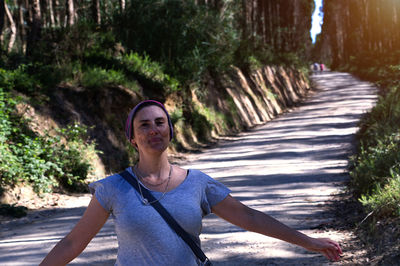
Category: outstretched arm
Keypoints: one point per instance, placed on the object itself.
(247, 218)
(76, 241)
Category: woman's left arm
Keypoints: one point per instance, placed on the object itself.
(250, 219)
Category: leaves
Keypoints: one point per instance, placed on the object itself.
(46, 161)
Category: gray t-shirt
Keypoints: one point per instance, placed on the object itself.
(144, 238)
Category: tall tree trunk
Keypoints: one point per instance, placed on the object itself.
(43, 6)
(21, 25)
(51, 14)
(36, 28)
(252, 20)
(57, 13)
(70, 12)
(260, 20)
(2, 20)
(122, 4)
(96, 11)
(29, 9)
(13, 28)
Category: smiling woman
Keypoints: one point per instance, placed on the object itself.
(144, 237)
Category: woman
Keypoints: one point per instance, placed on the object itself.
(143, 236)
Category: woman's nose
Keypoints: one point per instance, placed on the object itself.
(153, 129)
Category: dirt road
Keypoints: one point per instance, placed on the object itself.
(289, 168)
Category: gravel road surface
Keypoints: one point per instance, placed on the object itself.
(291, 168)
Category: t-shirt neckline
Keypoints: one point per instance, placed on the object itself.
(189, 171)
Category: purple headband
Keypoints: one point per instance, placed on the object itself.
(132, 113)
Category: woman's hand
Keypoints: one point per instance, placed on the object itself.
(247, 218)
(325, 246)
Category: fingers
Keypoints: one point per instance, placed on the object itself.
(334, 251)
(330, 249)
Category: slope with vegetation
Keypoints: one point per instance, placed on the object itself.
(362, 38)
(68, 79)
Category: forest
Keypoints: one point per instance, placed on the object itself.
(171, 50)
(158, 49)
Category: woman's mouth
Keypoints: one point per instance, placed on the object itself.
(155, 140)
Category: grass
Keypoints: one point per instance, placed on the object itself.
(375, 169)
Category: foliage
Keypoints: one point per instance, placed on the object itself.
(154, 48)
(135, 63)
(92, 57)
(201, 126)
(186, 38)
(30, 78)
(375, 165)
(97, 77)
(176, 115)
(376, 168)
(383, 119)
(73, 155)
(385, 200)
(42, 161)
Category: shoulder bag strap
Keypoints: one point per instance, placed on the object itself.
(168, 218)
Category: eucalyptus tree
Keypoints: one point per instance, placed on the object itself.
(359, 27)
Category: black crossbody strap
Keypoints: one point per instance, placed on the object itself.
(168, 218)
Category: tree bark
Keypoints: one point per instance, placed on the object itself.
(57, 13)
(51, 13)
(36, 28)
(13, 28)
(96, 11)
(29, 11)
(122, 4)
(2, 21)
(21, 25)
(70, 12)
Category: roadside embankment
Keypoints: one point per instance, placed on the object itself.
(223, 105)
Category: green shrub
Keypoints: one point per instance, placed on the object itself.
(177, 115)
(95, 77)
(98, 77)
(184, 37)
(385, 201)
(201, 126)
(41, 161)
(73, 157)
(384, 118)
(18, 79)
(375, 174)
(31, 78)
(373, 164)
(142, 65)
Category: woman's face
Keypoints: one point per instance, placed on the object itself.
(150, 129)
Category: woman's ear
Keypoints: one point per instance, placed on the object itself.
(133, 142)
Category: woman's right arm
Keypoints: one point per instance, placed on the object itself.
(76, 241)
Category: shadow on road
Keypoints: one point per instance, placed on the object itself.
(289, 168)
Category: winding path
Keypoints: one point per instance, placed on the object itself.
(289, 168)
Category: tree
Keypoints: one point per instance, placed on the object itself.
(122, 5)
(13, 27)
(2, 18)
(35, 29)
(96, 11)
(70, 12)
(21, 25)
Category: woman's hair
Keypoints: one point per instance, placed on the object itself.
(136, 109)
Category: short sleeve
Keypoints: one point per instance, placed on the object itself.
(215, 192)
(102, 193)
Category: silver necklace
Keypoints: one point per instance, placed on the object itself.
(137, 172)
(144, 200)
